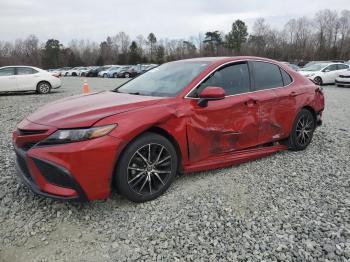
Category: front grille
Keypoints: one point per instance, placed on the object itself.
(23, 165)
(29, 132)
(28, 145)
(344, 76)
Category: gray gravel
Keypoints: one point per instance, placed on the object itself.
(292, 206)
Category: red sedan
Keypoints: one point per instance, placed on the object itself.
(180, 117)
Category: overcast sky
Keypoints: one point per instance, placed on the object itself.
(95, 20)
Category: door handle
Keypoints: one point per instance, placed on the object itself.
(250, 102)
(293, 94)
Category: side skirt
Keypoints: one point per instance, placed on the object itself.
(233, 158)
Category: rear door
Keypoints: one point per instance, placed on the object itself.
(225, 125)
(27, 78)
(8, 81)
(267, 79)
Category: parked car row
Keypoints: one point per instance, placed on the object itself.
(107, 71)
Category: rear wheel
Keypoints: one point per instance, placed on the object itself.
(302, 131)
(146, 168)
(115, 75)
(318, 80)
(43, 88)
(105, 75)
(127, 75)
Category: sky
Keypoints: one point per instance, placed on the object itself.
(95, 20)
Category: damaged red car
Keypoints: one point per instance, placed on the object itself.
(181, 117)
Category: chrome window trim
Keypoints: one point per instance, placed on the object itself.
(233, 62)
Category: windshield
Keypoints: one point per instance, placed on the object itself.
(167, 80)
(315, 67)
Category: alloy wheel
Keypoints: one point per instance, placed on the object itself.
(44, 88)
(149, 169)
(304, 129)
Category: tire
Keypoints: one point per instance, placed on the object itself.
(115, 75)
(105, 75)
(318, 80)
(135, 178)
(302, 131)
(43, 88)
(127, 75)
(74, 74)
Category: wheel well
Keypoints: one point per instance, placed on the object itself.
(162, 132)
(156, 130)
(313, 112)
(43, 81)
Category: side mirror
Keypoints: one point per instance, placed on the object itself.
(210, 93)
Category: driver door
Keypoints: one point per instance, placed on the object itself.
(227, 125)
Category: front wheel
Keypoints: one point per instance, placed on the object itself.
(302, 131)
(318, 80)
(127, 75)
(146, 168)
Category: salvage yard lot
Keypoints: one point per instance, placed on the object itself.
(289, 206)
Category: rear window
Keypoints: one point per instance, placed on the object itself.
(25, 71)
(267, 76)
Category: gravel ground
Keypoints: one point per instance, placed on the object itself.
(292, 206)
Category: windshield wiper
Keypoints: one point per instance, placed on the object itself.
(134, 93)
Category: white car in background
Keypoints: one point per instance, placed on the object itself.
(104, 73)
(27, 78)
(324, 73)
(73, 72)
(343, 79)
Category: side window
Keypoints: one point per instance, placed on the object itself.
(233, 78)
(342, 66)
(331, 67)
(287, 79)
(267, 76)
(25, 71)
(8, 71)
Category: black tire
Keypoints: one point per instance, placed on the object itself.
(135, 174)
(105, 75)
(318, 80)
(127, 75)
(74, 74)
(302, 131)
(43, 87)
(115, 75)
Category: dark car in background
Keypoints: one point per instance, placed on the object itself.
(94, 71)
(135, 70)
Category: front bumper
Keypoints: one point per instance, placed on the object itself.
(73, 193)
(80, 171)
(343, 82)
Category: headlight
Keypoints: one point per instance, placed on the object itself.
(64, 136)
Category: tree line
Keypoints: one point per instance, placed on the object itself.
(325, 36)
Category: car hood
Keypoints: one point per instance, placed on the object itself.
(346, 73)
(85, 110)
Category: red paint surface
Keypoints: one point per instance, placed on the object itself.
(226, 132)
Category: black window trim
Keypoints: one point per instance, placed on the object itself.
(251, 75)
